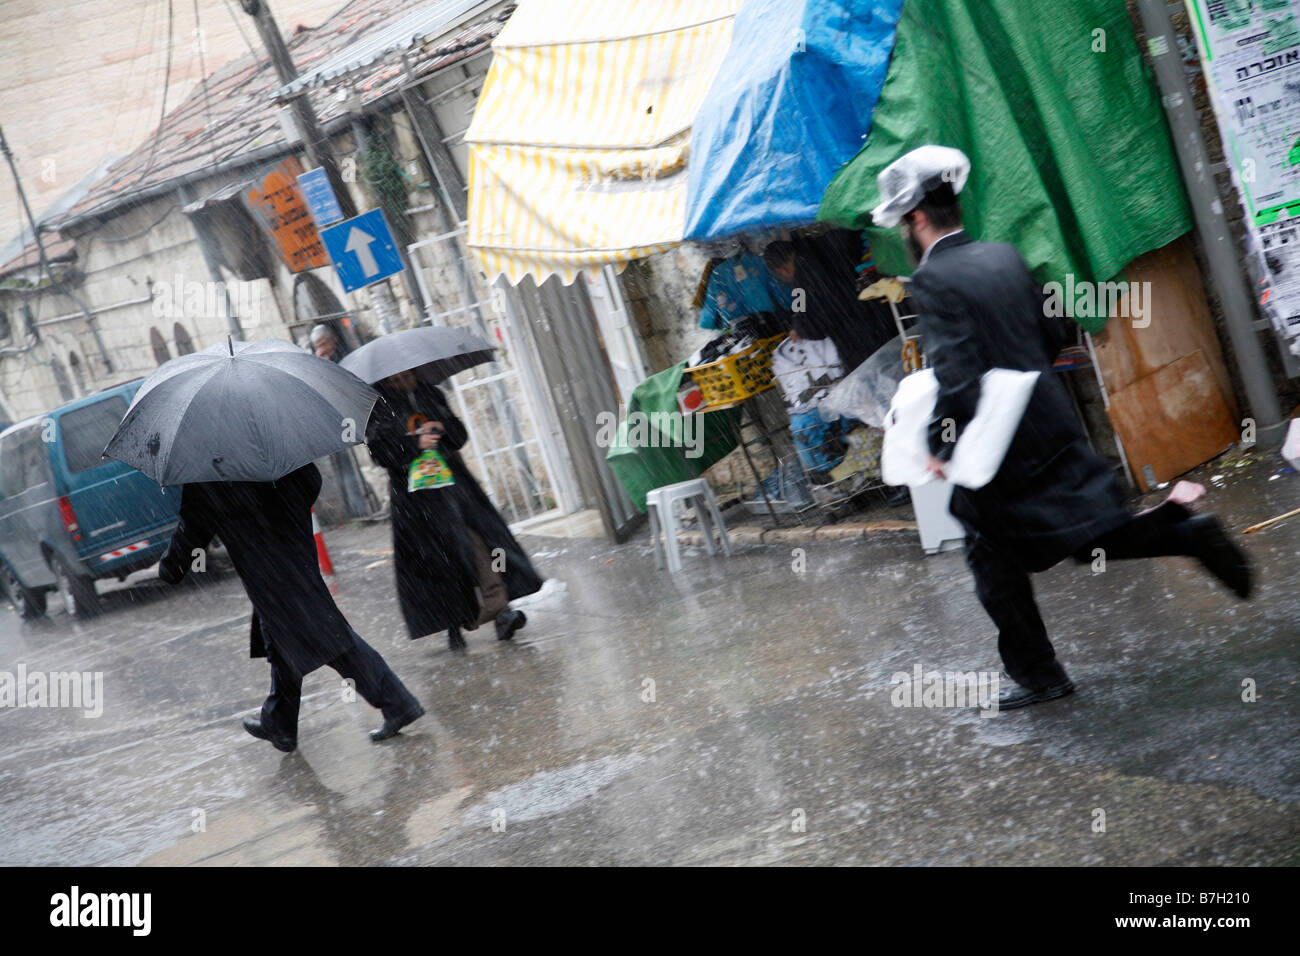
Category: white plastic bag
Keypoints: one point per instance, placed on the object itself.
(907, 449)
(866, 391)
(1004, 395)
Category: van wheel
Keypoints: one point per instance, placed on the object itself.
(76, 591)
(28, 604)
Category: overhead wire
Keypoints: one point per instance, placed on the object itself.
(167, 79)
(240, 27)
(129, 82)
(209, 131)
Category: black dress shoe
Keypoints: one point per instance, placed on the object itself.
(1016, 696)
(1210, 545)
(454, 639)
(254, 727)
(394, 724)
(509, 621)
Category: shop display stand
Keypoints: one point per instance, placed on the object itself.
(830, 502)
(751, 414)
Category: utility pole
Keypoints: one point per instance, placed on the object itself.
(316, 144)
(45, 263)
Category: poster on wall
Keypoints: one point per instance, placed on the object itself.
(277, 203)
(1250, 50)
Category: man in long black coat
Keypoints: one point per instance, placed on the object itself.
(1052, 497)
(441, 536)
(267, 530)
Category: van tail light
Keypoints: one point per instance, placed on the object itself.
(69, 517)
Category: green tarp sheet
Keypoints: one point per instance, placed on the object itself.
(1071, 157)
(652, 420)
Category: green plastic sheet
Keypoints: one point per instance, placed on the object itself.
(640, 467)
(1071, 157)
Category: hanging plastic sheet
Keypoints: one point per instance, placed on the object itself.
(656, 445)
(791, 103)
(1071, 157)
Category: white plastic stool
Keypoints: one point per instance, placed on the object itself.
(661, 504)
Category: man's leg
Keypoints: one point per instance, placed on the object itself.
(1165, 533)
(280, 709)
(1004, 589)
(1153, 534)
(376, 683)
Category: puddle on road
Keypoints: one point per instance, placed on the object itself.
(549, 792)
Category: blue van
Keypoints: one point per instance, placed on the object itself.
(69, 517)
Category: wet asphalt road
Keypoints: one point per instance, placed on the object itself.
(771, 736)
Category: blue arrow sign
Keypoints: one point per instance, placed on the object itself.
(318, 192)
(362, 250)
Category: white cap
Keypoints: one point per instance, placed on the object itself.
(905, 181)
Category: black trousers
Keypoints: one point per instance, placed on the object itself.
(374, 680)
(1003, 587)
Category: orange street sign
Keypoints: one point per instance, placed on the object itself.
(279, 205)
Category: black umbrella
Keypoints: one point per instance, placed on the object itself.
(241, 411)
(437, 351)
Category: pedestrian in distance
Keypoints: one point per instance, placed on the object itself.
(267, 530)
(325, 343)
(456, 562)
(1052, 497)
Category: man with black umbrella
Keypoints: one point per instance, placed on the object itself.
(236, 427)
(1052, 497)
(267, 530)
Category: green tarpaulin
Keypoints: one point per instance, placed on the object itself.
(1071, 157)
(653, 444)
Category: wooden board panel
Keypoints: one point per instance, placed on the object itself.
(1178, 318)
(1173, 419)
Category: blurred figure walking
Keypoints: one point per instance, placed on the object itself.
(266, 528)
(457, 564)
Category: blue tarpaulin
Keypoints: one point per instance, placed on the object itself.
(791, 103)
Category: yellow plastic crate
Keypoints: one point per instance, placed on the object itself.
(737, 376)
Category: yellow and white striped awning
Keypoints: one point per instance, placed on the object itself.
(579, 143)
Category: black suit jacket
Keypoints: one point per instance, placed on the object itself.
(980, 308)
(267, 530)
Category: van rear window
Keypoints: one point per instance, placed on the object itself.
(85, 431)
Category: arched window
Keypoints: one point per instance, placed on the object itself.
(61, 380)
(314, 302)
(159, 345)
(78, 374)
(184, 345)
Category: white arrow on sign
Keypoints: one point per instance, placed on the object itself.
(359, 242)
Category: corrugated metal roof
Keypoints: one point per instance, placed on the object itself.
(428, 22)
